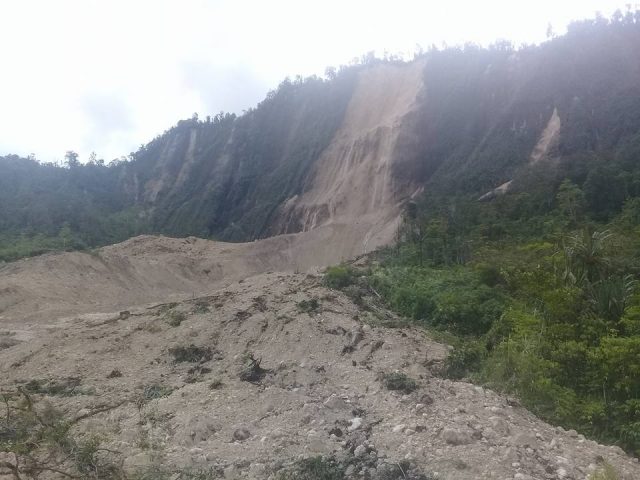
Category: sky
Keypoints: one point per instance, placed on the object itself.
(106, 76)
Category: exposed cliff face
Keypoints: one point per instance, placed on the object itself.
(352, 183)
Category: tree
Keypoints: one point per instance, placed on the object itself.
(571, 201)
(71, 159)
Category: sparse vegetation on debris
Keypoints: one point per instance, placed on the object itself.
(39, 439)
(64, 387)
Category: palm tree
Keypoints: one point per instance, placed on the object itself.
(585, 259)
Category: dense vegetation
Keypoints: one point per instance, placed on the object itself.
(538, 292)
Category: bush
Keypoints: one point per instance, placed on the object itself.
(308, 306)
(65, 387)
(400, 382)
(191, 354)
(251, 371)
(464, 360)
(153, 392)
(339, 276)
(175, 318)
(316, 468)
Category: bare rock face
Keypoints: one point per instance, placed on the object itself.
(180, 405)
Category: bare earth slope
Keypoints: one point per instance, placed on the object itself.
(147, 269)
(322, 392)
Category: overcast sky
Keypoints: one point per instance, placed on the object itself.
(109, 75)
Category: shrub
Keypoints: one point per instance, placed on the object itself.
(339, 276)
(40, 441)
(153, 392)
(175, 318)
(308, 306)
(316, 468)
(464, 359)
(400, 382)
(191, 354)
(65, 387)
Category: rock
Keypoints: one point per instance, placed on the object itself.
(137, 462)
(398, 428)
(500, 425)
(457, 437)
(426, 399)
(356, 423)
(525, 440)
(334, 402)
(360, 451)
(241, 434)
(561, 472)
(231, 473)
(257, 470)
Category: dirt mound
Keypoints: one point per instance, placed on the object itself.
(247, 380)
(150, 269)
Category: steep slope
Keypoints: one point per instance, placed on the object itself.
(352, 182)
(125, 380)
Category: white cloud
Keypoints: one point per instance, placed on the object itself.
(91, 75)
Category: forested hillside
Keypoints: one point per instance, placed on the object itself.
(532, 116)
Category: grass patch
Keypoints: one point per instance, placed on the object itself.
(605, 472)
(201, 307)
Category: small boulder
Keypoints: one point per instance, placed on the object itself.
(457, 437)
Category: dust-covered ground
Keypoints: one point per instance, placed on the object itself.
(169, 387)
